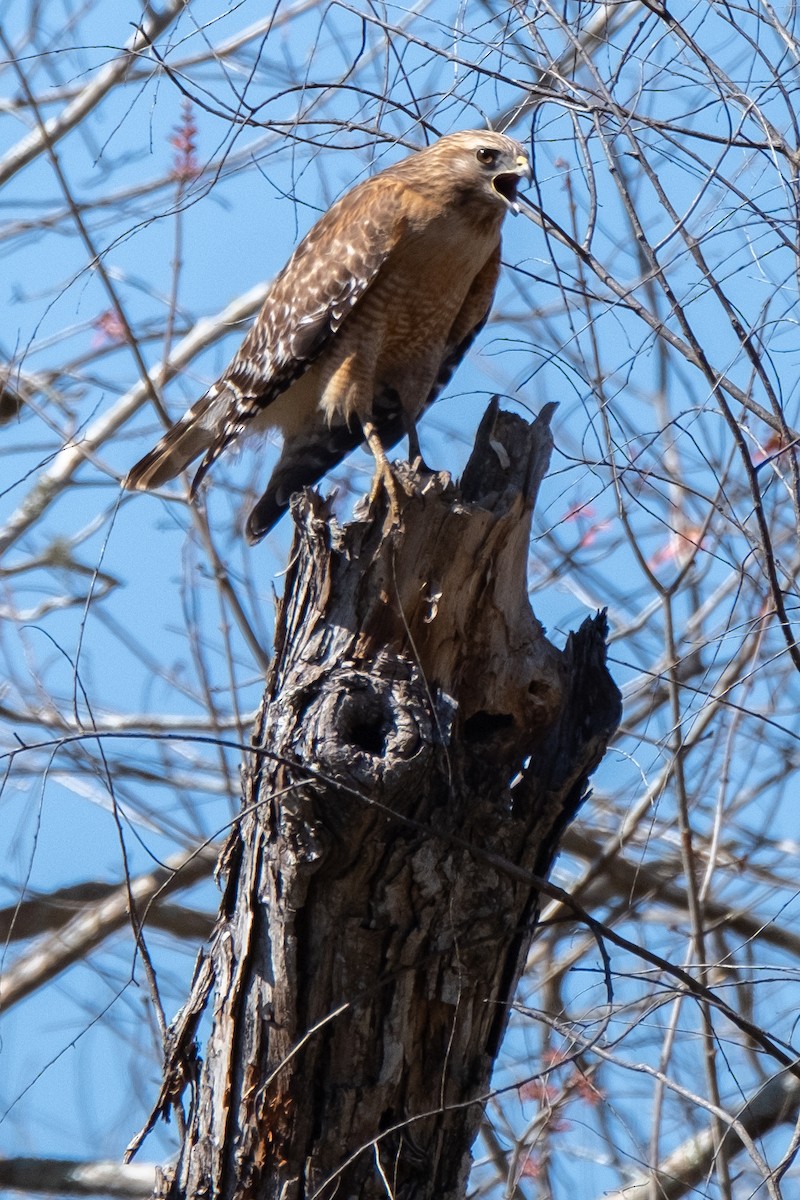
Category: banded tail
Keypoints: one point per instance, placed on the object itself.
(180, 446)
(304, 460)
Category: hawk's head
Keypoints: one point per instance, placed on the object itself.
(484, 163)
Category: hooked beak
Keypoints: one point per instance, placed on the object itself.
(505, 184)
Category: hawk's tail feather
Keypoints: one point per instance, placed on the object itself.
(212, 454)
(179, 446)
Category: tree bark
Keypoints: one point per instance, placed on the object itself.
(420, 748)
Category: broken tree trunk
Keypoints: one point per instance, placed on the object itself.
(420, 748)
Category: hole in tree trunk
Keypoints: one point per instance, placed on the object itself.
(364, 722)
(368, 736)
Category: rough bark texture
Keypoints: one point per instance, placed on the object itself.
(418, 732)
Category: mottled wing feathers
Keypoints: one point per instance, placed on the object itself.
(306, 458)
(365, 324)
(307, 303)
(324, 279)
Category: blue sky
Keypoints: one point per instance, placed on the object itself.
(160, 640)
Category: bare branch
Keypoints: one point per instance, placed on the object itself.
(776, 1102)
(36, 142)
(65, 1177)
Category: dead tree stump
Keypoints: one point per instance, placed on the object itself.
(418, 733)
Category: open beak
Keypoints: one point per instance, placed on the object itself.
(505, 184)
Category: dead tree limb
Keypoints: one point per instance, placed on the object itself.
(417, 730)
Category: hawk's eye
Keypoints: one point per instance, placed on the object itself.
(486, 156)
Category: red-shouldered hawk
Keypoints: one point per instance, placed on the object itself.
(364, 325)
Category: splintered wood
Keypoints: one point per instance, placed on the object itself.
(420, 747)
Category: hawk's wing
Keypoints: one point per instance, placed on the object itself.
(307, 457)
(327, 275)
(322, 282)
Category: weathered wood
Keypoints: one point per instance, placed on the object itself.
(417, 730)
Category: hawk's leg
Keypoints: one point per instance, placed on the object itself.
(414, 452)
(383, 472)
